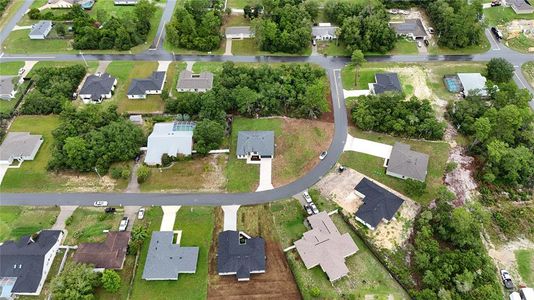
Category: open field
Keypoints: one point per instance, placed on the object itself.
(17, 221)
(11, 68)
(196, 224)
(501, 15)
(366, 275)
(528, 71)
(521, 43)
(249, 47)
(87, 225)
(298, 145)
(373, 166)
(525, 265)
(434, 49)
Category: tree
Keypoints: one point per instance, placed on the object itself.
(77, 281)
(357, 59)
(111, 281)
(208, 135)
(499, 70)
(142, 174)
(312, 7)
(60, 29)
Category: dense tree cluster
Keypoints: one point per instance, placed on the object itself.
(196, 26)
(502, 132)
(93, 137)
(390, 113)
(76, 281)
(53, 86)
(284, 26)
(208, 135)
(499, 70)
(3, 5)
(363, 26)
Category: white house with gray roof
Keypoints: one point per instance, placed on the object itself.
(190, 82)
(153, 85)
(7, 87)
(40, 30)
(166, 260)
(255, 145)
(97, 87)
(238, 32)
(19, 146)
(473, 83)
(405, 163)
(171, 138)
(324, 32)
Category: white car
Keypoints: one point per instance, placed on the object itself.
(314, 208)
(141, 214)
(124, 224)
(323, 155)
(308, 209)
(21, 71)
(307, 197)
(100, 203)
(507, 279)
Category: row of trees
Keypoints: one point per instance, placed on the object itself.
(53, 86)
(390, 113)
(362, 26)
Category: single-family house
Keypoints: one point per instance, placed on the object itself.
(19, 146)
(526, 293)
(385, 82)
(378, 205)
(324, 32)
(238, 32)
(240, 255)
(109, 254)
(255, 145)
(171, 138)
(189, 82)
(97, 87)
(153, 85)
(166, 260)
(326, 247)
(85, 4)
(125, 2)
(473, 84)
(40, 30)
(411, 28)
(521, 6)
(7, 87)
(24, 264)
(405, 163)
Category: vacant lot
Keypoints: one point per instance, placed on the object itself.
(298, 144)
(436, 71)
(521, 43)
(197, 225)
(336, 48)
(525, 265)
(11, 68)
(17, 221)
(87, 225)
(250, 47)
(528, 71)
(501, 15)
(276, 283)
(366, 275)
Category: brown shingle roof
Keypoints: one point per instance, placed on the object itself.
(108, 255)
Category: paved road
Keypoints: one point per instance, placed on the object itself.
(165, 18)
(13, 22)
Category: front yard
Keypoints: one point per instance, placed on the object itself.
(249, 47)
(528, 71)
(501, 15)
(87, 225)
(521, 43)
(17, 221)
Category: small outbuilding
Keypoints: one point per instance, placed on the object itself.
(97, 87)
(109, 254)
(240, 255)
(385, 82)
(153, 85)
(170, 138)
(405, 163)
(255, 145)
(473, 83)
(190, 82)
(19, 146)
(238, 32)
(136, 119)
(40, 30)
(378, 205)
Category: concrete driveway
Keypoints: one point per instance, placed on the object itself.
(355, 93)
(367, 147)
(230, 216)
(265, 175)
(228, 47)
(169, 215)
(3, 170)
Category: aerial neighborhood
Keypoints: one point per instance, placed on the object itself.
(310, 149)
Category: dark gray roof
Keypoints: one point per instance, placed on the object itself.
(188, 80)
(378, 203)
(28, 257)
(6, 86)
(153, 82)
(42, 27)
(406, 162)
(261, 142)
(387, 82)
(520, 5)
(166, 260)
(410, 26)
(97, 85)
(242, 259)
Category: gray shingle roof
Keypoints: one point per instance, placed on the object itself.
(324, 30)
(97, 85)
(261, 142)
(41, 28)
(153, 82)
(18, 144)
(187, 80)
(521, 6)
(6, 86)
(406, 162)
(387, 82)
(378, 203)
(242, 259)
(410, 26)
(166, 260)
(245, 30)
(28, 257)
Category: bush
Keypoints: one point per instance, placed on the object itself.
(125, 174)
(414, 187)
(116, 173)
(451, 166)
(166, 160)
(315, 292)
(111, 281)
(142, 174)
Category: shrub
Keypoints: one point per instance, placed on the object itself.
(451, 166)
(125, 174)
(315, 291)
(116, 173)
(142, 174)
(414, 187)
(111, 281)
(166, 160)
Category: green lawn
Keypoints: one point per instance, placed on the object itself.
(172, 74)
(336, 48)
(126, 275)
(365, 76)
(197, 225)
(214, 67)
(372, 166)
(91, 65)
(17, 221)
(241, 3)
(525, 265)
(501, 15)
(249, 47)
(236, 20)
(528, 71)
(434, 49)
(366, 275)
(521, 43)
(11, 68)
(13, 7)
(88, 224)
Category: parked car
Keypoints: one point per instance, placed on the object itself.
(100, 203)
(323, 155)
(307, 197)
(427, 43)
(110, 210)
(308, 209)
(507, 279)
(141, 214)
(124, 224)
(495, 3)
(21, 71)
(314, 42)
(314, 208)
(497, 32)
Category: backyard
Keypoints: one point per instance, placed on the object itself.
(87, 225)
(525, 265)
(17, 221)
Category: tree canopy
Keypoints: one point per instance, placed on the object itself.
(208, 135)
(76, 282)
(111, 281)
(499, 70)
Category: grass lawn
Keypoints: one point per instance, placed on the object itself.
(434, 49)
(11, 67)
(19, 42)
(197, 225)
(17, 221)
(177, 50)
(335, 48)
(521, 43)
(241, 3)
(88, 224)
(373, 166)
(528, 71)
(172, 74)
(91, 65)
(249, 47)
(501, 15)
(525, 265)
(236, 20)
(214, 67)
(365, 76)
(125, 71)
(7, 106)
(366, 275)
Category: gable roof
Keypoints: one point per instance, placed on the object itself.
(153, 82)
(188, 80)
(17, 144)
(6, 86)
(166, 260)
(521, 6)
(378, 203)
(244, 30)
(387, 82)
(261, 142)
(242, 259)
(109, 254)
(41, 28)
(325, 246)
(473, 82)
(28, 257)
(406, 162)
(409, 27)
(97, 85)
(324, 30)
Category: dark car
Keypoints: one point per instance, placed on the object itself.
(426, 43)
(495, 3)
(496, 32)
(110, 210)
